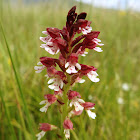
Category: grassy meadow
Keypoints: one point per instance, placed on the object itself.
(21, 89)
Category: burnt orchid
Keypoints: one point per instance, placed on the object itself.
(69, 47)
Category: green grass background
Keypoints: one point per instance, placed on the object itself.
(21, 89)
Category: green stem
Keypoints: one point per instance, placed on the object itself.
(65, 99)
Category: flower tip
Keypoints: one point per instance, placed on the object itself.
(45, 32)
(51, 86)
(98, 49)
(41, 110)
(39, 63)
(101, 44)
(47, 76)
(42, 102)
(91, 114)
(78, 66)
(72, 9)
(41, 47)
(41, 38)
(67, 64)
(82, 81)
(96, 80)
(38, 71)
(36, 67)
(50, 81)
(40, 135)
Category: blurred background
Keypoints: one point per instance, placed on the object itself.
(117, 95)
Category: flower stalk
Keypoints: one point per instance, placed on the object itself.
(70, 49)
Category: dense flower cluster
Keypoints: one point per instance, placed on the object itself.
(69, 48)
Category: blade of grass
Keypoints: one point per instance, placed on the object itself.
(18, 100)
(74, 135)
(19, 85)
(7, 116)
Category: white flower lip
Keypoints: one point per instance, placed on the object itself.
(92, 75)
(45, 32)
(78, 107)
(76, 102)
(78, 66)
(84, 54)
(39, 68)
(51, 81)
(42, 102)
(41, 38)
(55, 84)
(86, 30)
(40, 135)
(39, 63)
(67, 64)
(91, 114)
(51, 86)
(82, 81)
(67, 133)
(45, 108)
(71, 68)
(98, 49)
(49, 45)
